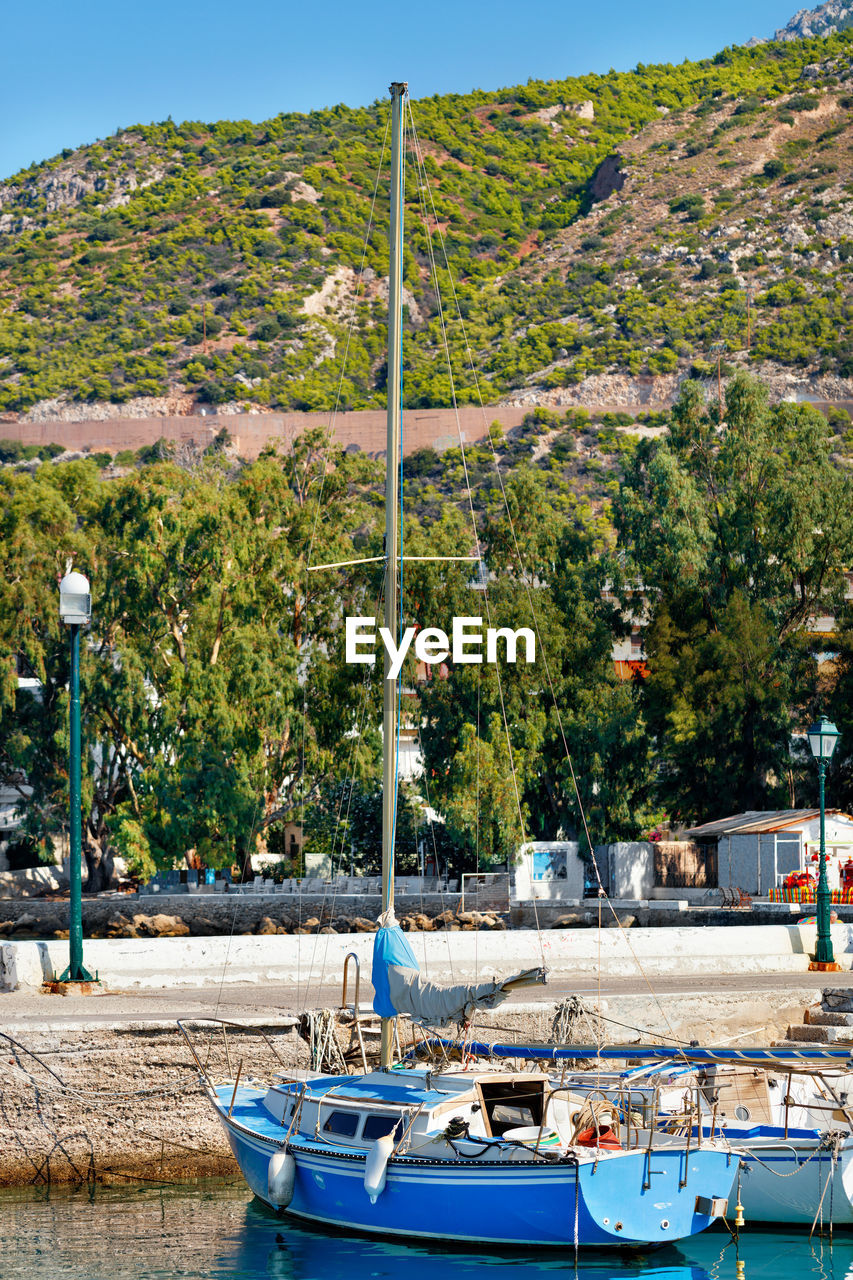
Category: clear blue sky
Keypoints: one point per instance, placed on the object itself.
(72, 71)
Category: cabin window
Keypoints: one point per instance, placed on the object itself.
(377, 1127)
(343, 1123)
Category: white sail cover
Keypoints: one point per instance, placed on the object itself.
(437, 1006)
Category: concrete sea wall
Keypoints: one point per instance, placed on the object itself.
(133, 963)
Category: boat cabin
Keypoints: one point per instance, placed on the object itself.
(434, 1109)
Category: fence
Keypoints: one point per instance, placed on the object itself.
(683, 864)
(485, 891)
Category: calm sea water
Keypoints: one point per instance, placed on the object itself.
(217, 1230)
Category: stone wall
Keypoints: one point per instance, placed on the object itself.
(213, 913)
(251, 432)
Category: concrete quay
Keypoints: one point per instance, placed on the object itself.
(103, 1086)
(297, 959)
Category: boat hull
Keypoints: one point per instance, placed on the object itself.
(616, 1200)
(795, 1180)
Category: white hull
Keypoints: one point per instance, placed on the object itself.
(794, 1181)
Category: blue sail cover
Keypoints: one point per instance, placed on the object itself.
(390, 946)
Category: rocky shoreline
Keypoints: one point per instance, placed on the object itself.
(127, 918)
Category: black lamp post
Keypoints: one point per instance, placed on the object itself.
(822, 739)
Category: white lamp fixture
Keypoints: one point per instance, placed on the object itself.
(822, 738)
(75, 602)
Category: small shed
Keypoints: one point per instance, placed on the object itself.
(756, 850)
(549, 869)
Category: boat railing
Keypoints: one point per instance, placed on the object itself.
(224, 1024)
(589, 1114)
(356, 1009)
(296, 1116)
(351, 955)
(413, 1113)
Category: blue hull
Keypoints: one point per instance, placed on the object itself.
(558, 1205)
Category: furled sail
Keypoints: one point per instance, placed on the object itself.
(438, 1006)
(399, 988)
(390, 948)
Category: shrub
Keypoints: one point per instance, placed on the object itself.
(775, 168)
(803, 102)
(838, 419)
(693, 206)
(267, 330)
(11, 451)
(155, 452)
(663, 361)
(275, 198)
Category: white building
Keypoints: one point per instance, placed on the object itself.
(756, 851)
(549, 869)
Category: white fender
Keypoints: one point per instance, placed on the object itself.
(281, 1178)
(376, 1166)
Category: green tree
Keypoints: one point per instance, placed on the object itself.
(739, 533)
(482, 723)
(215, 628)
(839, 707)
(40, 536)
(208, 632)
(345, 821)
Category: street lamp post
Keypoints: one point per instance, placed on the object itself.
(822, 739)
(75, 609)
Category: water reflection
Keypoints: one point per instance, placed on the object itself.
(312, 1255)
(211, 1231)
(768, 1254)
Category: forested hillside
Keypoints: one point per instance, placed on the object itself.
(223, 262)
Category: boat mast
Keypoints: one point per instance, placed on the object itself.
(392, 527)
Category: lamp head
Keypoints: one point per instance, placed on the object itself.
(75, 602)
(822, 738)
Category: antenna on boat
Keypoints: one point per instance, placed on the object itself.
(398, 92)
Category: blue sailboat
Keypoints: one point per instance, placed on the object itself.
(484, 1155)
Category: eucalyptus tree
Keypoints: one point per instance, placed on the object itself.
(221, 640)
(737, 534)
(547, 749)
(209, 643)
(42, 532)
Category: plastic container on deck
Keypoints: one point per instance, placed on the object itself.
(529, 1133)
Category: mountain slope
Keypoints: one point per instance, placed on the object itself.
(825, 20)
(218, 262)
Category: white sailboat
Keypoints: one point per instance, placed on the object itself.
(784, 1111)
(465, 1155)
